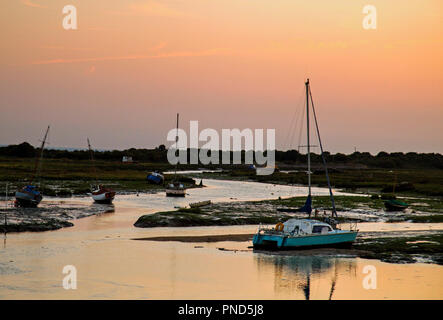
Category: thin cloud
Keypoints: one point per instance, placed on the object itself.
(150, 8)
(98, 29)
(65, 48)
(161, 45)
(204, 53)
(28, 3)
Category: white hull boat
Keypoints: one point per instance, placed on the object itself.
(103, 195)
(175, 190)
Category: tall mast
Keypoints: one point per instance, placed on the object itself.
(92, 160)
(176, 145)
(334, 211)
(309, 145)
(39, 157)
(6, 212)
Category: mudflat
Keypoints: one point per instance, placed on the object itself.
(209, 238)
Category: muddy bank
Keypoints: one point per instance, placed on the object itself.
(393, 247)
(219, 214)
(210, 238)
(350, 209)
(35, 227)
(67, 188)
(48, 216)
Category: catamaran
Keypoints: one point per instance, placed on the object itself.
(303, 233)
(29, 196)
(175, 188)
(100, 194)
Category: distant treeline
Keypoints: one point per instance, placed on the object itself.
(290, 157)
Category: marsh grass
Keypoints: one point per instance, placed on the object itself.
(63, 177)
(420, 181)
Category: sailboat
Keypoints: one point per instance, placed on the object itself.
(393, 204)
(175, 188)
(29, 196)
(100, 194)
(303, 233)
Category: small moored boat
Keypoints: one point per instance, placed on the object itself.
(103, 195)
(29, 196)
(395, 205)
(175, 188)
(155, 177)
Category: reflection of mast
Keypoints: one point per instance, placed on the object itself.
(334, 281)
(173, 271)
(307, 287)
(293, 274)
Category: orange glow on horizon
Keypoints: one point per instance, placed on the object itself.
(131, 65)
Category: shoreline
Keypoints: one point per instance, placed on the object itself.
(197, 239)
(352, 208)
(425, 247)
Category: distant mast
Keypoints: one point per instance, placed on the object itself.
(176, 145)
(39, 157)
(92, 161)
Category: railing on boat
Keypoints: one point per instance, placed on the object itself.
(352, 226)
(272, 230)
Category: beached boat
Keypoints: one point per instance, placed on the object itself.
(395, 205)
(306, 233)
(200, 204)
(392, 204)
(29, 196)
(302, 233)
(100, 194)
(103, 195)
(155, 177)
(175, 188)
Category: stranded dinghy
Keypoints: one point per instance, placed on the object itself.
(29, 196)
(175, 188)
(100, 194)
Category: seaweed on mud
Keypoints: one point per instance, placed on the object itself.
(402, 249)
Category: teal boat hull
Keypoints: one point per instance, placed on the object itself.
(395, 205)
(281, 242)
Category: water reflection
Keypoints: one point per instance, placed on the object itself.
(103, 209)
(308, 277)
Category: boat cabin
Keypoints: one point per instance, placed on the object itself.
(176, 185)
(306, 226)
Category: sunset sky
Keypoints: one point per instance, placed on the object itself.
(131, 65)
